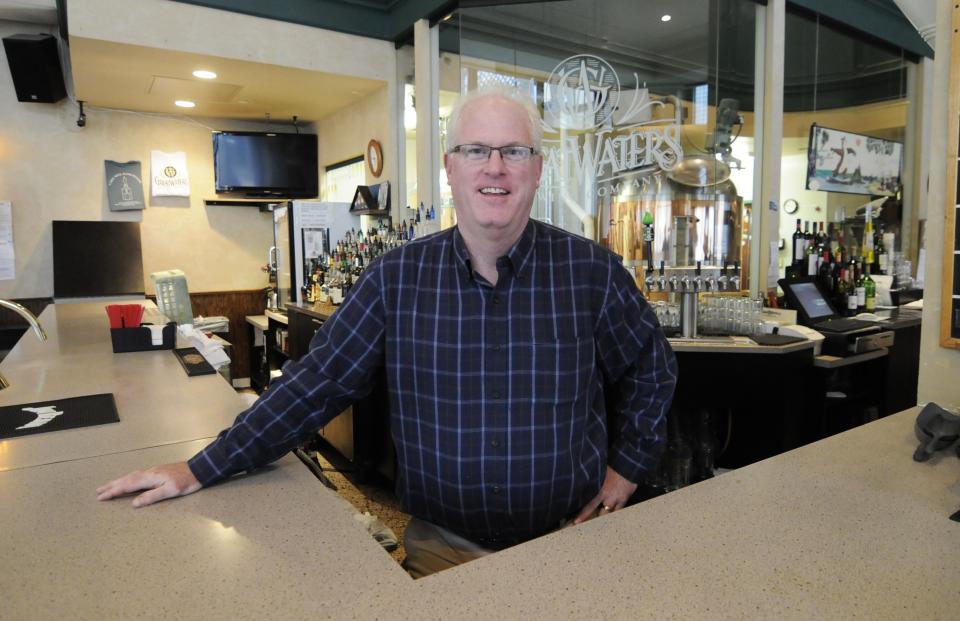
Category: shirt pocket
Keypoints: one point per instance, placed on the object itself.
(562, 369)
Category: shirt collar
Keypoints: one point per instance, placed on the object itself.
(517, 257)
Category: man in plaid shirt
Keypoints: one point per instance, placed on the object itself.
(504, 340)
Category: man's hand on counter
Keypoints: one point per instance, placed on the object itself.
(614, 494)
(161, 482)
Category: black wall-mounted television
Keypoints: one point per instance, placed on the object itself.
(259, 164)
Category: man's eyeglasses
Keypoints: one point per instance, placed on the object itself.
(481, 152)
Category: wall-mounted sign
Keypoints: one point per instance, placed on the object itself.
(168, 174)
(595, 131)
(124, 185)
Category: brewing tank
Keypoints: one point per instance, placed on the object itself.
(690, 224)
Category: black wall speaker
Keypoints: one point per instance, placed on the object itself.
(35, 67)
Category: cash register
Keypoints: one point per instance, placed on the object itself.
(843, 336)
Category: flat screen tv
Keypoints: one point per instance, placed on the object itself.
(841, 161)
(259, 164)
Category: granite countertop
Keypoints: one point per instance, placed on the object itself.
(156, 401)
(849, 526)
(846, 527)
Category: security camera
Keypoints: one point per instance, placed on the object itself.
(82, 119)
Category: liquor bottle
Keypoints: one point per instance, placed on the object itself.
(807, 236)
(861, 290)
(868, 238)
(882, 266)
(840, 253)
(798, 245)
(870, 291)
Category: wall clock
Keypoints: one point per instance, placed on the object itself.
(375, 157)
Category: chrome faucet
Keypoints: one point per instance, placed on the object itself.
(31, 319)
(649, 281)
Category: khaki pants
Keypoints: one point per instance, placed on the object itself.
(431, 548)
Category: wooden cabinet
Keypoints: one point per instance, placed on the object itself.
(276, 344)
(361, 433)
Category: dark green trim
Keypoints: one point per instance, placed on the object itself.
(378, 20)
(880, 19)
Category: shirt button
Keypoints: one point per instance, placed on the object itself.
(496, 299)
(496, 490)
(494, 443)
(497, 347)
(495, 394)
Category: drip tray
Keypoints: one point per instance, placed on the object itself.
(57, 414)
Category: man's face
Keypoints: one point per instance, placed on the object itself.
(493, 197)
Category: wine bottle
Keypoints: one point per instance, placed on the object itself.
(840, 298)
(812, 259)
(825, 273)
(869, 290)
(798, 245)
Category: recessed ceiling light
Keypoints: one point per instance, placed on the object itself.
(183, 103)
(666, 18)
(204, 74)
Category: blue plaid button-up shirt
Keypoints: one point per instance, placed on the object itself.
(498, 394)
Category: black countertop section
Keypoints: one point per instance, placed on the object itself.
(899, 318)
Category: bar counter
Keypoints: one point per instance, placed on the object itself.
(846, 527)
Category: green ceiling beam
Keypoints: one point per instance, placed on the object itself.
(386, 20)
(880, 19)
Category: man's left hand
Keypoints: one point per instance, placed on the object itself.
(614, 494)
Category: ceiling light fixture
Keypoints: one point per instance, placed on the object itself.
(666, 18)
(204, 74)
(183, 103)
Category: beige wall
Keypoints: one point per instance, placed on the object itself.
(939, 366)
(345, 134)
(50, 169)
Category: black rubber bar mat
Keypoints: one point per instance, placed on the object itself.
(57, 414)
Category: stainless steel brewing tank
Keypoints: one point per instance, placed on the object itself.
(690, 224)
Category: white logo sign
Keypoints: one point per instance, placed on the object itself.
(45, 414)
(584, 90)
(604, 133)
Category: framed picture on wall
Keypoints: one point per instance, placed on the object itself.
(842, 161)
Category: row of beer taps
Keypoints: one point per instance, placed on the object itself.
(693, 279)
